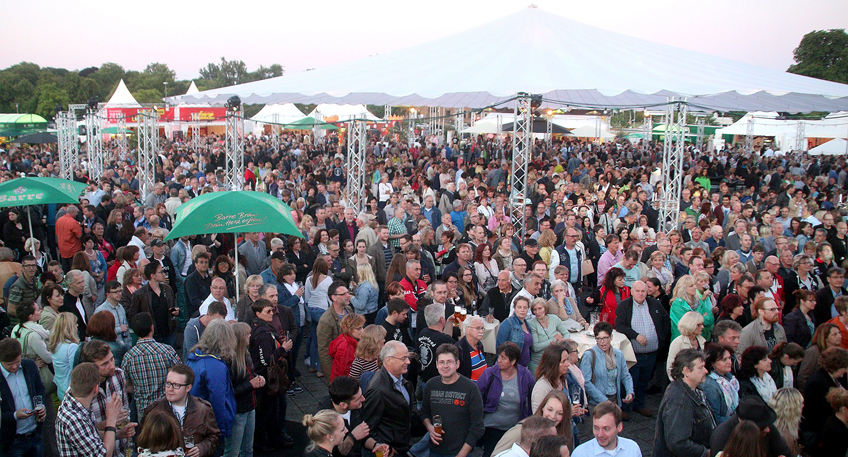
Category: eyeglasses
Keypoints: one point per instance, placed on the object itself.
(342, 294)
(602, 338)
(403, 359)
(173, 385)
(479, 329)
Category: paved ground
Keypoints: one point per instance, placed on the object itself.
(639, 428)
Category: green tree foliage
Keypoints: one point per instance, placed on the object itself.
(823, 54)
(38, 90)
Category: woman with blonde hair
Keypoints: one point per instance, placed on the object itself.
(371, 342)
(245, 382)
(306, 225)
(244, 310)
(547, 243)
(788, 403)
(326, 429)
(689, 329)
(686, 300)
(547, 329)
(365, 301)
(728, 259)
(63, 344)
(317, 301)
(343, 348)
(658, 270)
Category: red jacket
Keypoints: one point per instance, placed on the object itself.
(411, 293)
(609, 303)
(343, 351)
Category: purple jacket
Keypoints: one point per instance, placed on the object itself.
(491, 387)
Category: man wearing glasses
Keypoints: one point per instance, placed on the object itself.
(112, 304)
(764, 330)
(197, 421)
(329, 326)
(25, 288)
(387, 409)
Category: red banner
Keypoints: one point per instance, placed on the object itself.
(182, 114)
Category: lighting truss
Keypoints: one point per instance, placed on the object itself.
(411, 138)
(122, 137)
(749, 135)
(275, 132)
(355, 190)
(387, 111)
(648, 128)
(234, 163)
(66, 135)
(800, 137)
(94, 143)
(459, 123)
(522, 153)
(148, 145)
(672, 166)
(194, 129)
(549, 131)
(700, 141)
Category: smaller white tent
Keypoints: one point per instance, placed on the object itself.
(481, 127)
(833, 147)
(330, 112)
(284, 113)
(192, 89)
(785, 131)
(122, 98)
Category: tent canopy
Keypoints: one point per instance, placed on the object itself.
(331, 112)
(122, 97)
(286, 113)
(576, 65)
(309, 123)
(833, 147)
(12, 125)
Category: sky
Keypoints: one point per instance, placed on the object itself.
(186, 35)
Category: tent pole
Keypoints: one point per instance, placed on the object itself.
(235, 243)
(29, 219)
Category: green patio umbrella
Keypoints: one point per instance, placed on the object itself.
(309, 123)
(39, 191)
(233, 211)
(116, 131)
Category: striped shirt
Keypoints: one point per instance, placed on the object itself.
(643, 325)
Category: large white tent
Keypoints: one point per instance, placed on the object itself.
(285, 113)
(122, 98)
(786, 131)
(570, 63)
(837, 146)
(331, 112)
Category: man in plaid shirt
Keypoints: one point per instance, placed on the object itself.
(76, 428)
(112, 384)
(146, 364)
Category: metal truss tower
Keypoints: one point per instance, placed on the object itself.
(275, 132)
(800, 137)
(672, 166)
(647, 136)
(234, 163)
(522, 153)
(121, 139)
(94, 143)
(66, 134)
(148, 144)
(700, 141)
(355, 190)
(549, 130)
(194, 130)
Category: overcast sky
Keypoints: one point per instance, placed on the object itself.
(300, 35)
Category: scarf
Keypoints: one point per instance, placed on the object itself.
(765, 386)
(729, 389)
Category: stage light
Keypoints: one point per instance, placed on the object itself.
(92, 103)
(233, 103)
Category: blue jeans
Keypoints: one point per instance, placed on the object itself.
(641, 374)
(422, 447)
(312, 349)
(240, 443)
(26, 447)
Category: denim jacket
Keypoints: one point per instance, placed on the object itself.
(510, 330)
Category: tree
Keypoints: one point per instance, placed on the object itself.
(50, 95)
(823, 54)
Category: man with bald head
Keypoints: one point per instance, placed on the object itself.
(217, 291)
(646, 323)
(348, 228)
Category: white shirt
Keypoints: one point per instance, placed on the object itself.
(624, 448)
(231, 315)
(514, 451)
(135, 241)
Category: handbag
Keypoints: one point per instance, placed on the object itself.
(587, 267)
(278, 381)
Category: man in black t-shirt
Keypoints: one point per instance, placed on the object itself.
(398, 311)
(430, 338)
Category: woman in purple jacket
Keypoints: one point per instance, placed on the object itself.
(506, 389)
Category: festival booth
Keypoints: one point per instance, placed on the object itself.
(275, 114)
(15, 125)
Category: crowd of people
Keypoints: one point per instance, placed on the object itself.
(116, 340)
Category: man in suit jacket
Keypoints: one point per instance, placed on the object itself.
(347, 228)
(20, 421)
(824, 310)
(644, 321)
(72, 302)
(388, 399)
(378, 251)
